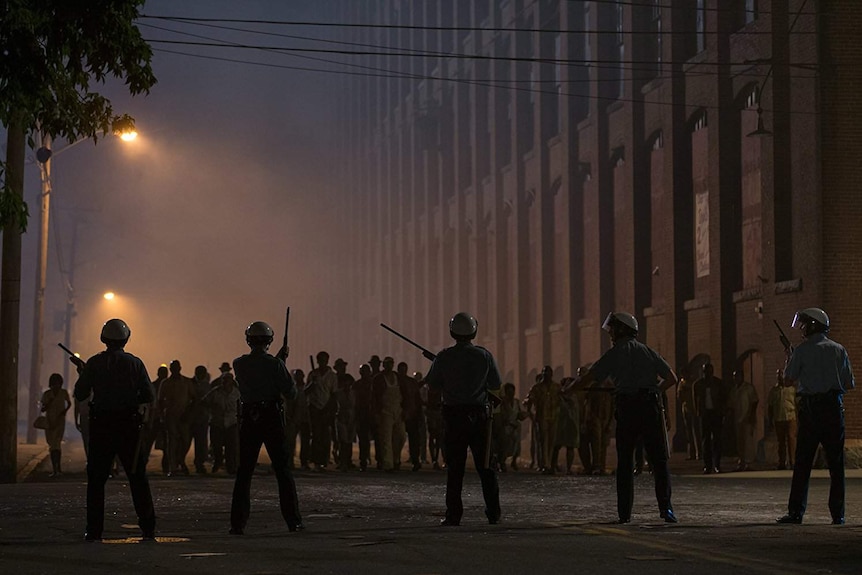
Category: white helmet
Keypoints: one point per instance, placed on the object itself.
(810, 320)
(463, 326)
(620, 319)
(115, 331)
(259, 332)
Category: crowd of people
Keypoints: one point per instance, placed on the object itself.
(267, 406)
(387, 408)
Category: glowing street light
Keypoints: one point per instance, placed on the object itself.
(109, 295)
(128, 136)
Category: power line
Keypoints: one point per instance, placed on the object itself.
(463, 81)
(398, 73)
(458, 56)
(418, 27)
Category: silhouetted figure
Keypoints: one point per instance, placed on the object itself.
(119, 384)
(263, 380)
(465, 373)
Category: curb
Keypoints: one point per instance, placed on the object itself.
(32, 464)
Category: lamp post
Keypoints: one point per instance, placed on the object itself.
(43, 156)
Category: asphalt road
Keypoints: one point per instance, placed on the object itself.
(388, 523)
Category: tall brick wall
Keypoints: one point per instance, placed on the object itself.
(491, 237)
(841, 143)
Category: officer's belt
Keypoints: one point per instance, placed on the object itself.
(825, 397)
(120, 413)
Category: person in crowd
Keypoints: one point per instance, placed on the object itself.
(782, 417)
(55, 403)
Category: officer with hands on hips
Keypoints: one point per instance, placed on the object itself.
(119, 385)
(262, 380)
(464, 373)
(635, 370)
(820, 369)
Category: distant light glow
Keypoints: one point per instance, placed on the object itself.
(128, 136)
(109, 295)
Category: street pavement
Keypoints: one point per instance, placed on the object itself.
(389, 523)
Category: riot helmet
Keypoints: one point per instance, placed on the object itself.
(811, 320)
(115, 332)
(258, 333)
(463, 326)
(620, 323)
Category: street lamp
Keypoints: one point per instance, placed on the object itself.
(123, 127)
(109, 295)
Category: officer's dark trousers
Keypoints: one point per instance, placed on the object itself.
(116, 435)
(262, 426)
(710, 427)
(466, 426)
(821, 421)
(639, 415)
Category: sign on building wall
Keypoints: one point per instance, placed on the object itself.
(701, 233)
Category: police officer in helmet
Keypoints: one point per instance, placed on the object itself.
(820, 369)
(120, 385)
(465, 373)
(262, 380)
(635, 370)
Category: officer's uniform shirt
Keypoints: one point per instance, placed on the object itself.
(632, 366)
(464, 372)
(262, 377)
(820, 365)
(118, 381)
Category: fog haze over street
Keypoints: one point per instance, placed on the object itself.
(219, 214)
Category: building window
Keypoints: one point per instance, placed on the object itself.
(588, 51)
(750, 11)
(700, 25)
(700, 188)
(621, 49)
(750, 187)
(463, 22)
(504, 104)
(552, 75)
(558, 81)
(656, 30)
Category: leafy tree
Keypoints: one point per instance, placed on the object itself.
(53, 54)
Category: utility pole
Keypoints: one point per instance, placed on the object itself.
(44, 158)
(10, 309)
(70, 301)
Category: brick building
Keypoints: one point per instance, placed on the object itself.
(603, 155)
